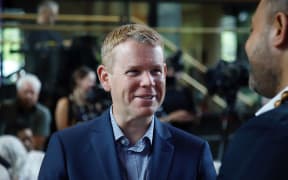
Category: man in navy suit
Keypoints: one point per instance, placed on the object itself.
(128, 141)
(259, 148)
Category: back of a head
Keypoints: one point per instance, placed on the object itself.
(138, 32)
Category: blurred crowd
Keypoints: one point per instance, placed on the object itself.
(59, 88)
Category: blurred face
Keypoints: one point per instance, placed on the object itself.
(47, 16)
(28, 95)
(26, 136)
(87, 82)
(264, 75)
(136, 80)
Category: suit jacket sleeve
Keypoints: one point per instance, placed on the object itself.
(53, 165)
(206, 168)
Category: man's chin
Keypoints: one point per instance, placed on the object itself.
(146, 112)
(29, 105)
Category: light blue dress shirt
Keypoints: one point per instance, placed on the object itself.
(135, 158)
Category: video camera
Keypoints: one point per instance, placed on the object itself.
(175, 61)
(98, 95)
(226, 79)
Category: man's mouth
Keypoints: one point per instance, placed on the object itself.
(146, 97)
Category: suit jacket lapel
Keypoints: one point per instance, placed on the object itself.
(162, 153)
(102, 141)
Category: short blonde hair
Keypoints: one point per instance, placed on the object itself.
(138, 32)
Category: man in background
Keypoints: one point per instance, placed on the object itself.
(25, 111)
(43, 51)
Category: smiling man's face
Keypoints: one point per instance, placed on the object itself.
(137, 79)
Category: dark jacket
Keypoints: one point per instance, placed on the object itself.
(259, 148)
(87, 151)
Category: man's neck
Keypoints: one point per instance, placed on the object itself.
(134, 130)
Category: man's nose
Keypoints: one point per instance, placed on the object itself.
(147, 79)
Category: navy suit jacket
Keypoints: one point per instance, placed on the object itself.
(88, 151)
(259, 149)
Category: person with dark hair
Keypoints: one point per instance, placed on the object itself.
(81, 105)
(83, 51)
(127, 141)
(258, 150)
(178, 107)
(25, 135)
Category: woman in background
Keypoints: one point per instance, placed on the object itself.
(81, 104)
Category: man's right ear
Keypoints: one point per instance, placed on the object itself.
(103, 76)
(281, 30)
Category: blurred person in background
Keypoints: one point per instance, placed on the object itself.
(82, 104)
(43, 49)
(178, 107)
(25, 110)
(25, 135)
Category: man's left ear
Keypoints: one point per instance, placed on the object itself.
(280, 25)
(165, 69)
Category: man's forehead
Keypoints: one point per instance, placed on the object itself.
(27, 85)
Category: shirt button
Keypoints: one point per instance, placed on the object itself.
(123, 141)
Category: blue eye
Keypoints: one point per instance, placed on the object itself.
(132, 72)
(156, 72)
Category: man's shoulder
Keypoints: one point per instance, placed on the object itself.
(84, 128)
(183, 137)
(274, 119)
(269, 129)
(75, 135)
(42, 110)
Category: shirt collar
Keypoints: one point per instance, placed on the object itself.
(118, 133)
(270, 105)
